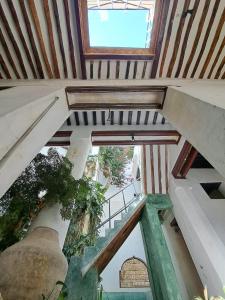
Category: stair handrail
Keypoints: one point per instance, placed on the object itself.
(118, 212)
(120, 191)
(108, 200)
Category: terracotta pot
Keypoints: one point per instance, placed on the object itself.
(31, 267)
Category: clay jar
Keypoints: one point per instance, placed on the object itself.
(31, 267)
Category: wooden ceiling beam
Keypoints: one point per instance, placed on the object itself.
(70, 39)
(31, 38)
(51, 38)
(40, 36)
(136, 133)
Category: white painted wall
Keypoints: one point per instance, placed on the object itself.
(133, 246)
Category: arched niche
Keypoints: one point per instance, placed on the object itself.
(134, 274)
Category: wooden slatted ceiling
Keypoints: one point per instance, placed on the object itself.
(94, 118)
(37, 40)
(142, 117)
(193, 46)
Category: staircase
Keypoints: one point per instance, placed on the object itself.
(84, 270)
(96, 255)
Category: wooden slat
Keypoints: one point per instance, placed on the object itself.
(99, 69)
(189, 162)
(208, 30)
(163, 17)
(168, 35)
(223, 76)
(220, 69)
(144, 170)
(8, 54)
(136, 132)
(181, 159)
(213, 45)
(135, 142)
(31, 38)
(63, 133)
(178, 38)
(186, 36)
(79, 37)
(20, 33)
(70, 39)
(197, 37)
(166, 168)
(4, 67)
(152, 169)
(13, 41)
(159, 170)
(39, 35)
(1, 77)
(58, 144)
(51, 38)
(216, 59)
(144, 70)
(59, 32)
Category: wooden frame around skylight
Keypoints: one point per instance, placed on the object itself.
(120, 53)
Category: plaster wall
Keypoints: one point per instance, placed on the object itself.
(133, 246)
(202, 222)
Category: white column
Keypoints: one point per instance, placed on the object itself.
(201, 221)
(29, 117)
(77, 154)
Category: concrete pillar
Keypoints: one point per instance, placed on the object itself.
(78, 152)
(201, 221)
(50, 216)
(197, 111)
(29, 117)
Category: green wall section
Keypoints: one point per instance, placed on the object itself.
(78, 287)
(127, 296)
(161, 272)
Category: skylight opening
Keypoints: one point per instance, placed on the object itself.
(120, 24)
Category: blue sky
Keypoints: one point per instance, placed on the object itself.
(117, 28)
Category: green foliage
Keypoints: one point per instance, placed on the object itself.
(47, 180)
(89, 204)
(112, 161)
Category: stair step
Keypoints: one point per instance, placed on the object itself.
(118, 224)
(101, 242)
(89, 252)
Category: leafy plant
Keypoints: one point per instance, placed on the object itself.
(112, 161)
(211, 298)
(47, 180)
(89, 202)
